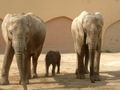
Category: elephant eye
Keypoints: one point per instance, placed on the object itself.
(11, 32)
(98, 26)
(26, 38)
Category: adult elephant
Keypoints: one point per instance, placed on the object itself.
(24, 35)
(87, 33)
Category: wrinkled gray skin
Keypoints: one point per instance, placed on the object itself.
(24, 35)
(87, 33)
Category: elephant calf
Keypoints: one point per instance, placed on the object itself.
(54, 58)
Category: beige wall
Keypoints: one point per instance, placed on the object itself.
(58, 35)
(50, 9)
(111, 38)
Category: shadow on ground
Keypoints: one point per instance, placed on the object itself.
(111, 75)
(68, 80)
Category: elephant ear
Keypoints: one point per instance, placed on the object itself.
(82, 15)
(29, 19)
(4, 27)
(99, 18)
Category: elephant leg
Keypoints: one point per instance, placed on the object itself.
(58, 68)
(92, 55)
(97, 64)
(22, 67)
(86, 59)
(47, 70)
(28, 67)
(35, 59)
(81, 67)
(53, 69)
(9, 52)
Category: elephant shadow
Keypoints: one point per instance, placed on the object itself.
(111, 75)
(69, 80)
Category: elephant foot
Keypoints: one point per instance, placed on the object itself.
(97, 78)
(58, 72)
(86, 72)
(23, 82)
(35, 76)
(53, 74)
(29, 76)
(80, 76)
(4, 81)
(46, 75)
(92, 78)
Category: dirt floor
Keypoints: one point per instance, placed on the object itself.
(109, 71)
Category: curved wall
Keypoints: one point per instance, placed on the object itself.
(111, 39)
(59, 35)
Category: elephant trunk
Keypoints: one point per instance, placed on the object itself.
(21, 67)
(92, 56)
(19, 48)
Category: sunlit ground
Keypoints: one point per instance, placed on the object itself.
(109, 71)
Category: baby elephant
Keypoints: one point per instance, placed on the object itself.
(54, 58)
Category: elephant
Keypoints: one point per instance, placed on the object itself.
(86, 31)
(54, 58)
(24, 35)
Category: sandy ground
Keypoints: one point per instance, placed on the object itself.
(109, 71)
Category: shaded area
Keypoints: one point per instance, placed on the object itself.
(112, 75)
(69, 81)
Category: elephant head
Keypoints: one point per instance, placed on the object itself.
(92, 26)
